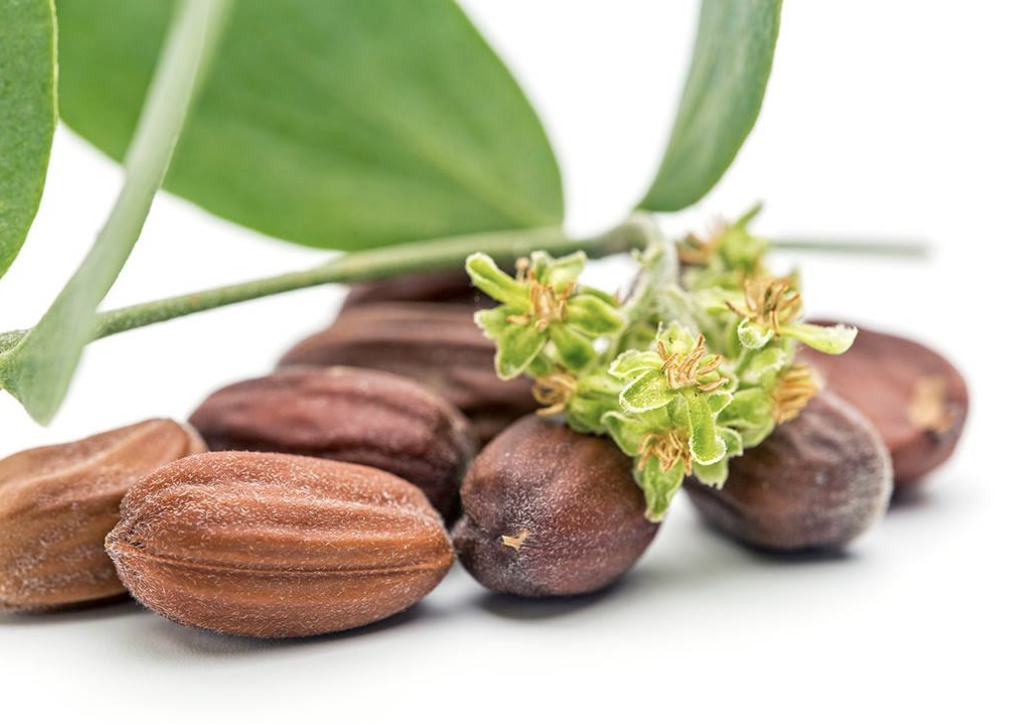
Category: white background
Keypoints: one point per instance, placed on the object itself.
(884, 118)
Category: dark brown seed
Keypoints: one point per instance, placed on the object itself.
(348, 414)
(58, 502)
(550, 512)
(915, 397)
(436, 344)
(818, 481)
(449, 287)
(268, 545)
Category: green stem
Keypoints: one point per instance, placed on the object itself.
(445, 253)
(908, 248)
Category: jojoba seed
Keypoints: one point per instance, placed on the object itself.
(436, 344)
(550, 512)
(916, 398)
(270, 545)
(818, 481)
(58, 502)
(348, 414)
(451, 286)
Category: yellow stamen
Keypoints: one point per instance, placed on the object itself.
(792, 392)
(554, 390)
(668, 449)
(547, 304)
(685, 369)
(769, 302)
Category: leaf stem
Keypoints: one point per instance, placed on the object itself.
(445, 253)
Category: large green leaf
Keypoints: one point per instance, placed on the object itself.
(38, 368)
(28, 114)
(721, 100)
(333, 123)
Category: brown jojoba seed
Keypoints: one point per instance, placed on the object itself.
(436, 344)
(915, 397)
(58, 502)
(451, 286)
(349, 414)
(818, 481)
(275, 546)
(550, 512)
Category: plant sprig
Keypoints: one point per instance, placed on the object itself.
(693, 368)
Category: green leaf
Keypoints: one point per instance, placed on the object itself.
(575, 351)
(659, 487)
(39, 369)
(496, 283)
(342, 124)
(28, 99)
(722, 97)
(831, 340)
(593, 316)
(649, 391)
(518, 345)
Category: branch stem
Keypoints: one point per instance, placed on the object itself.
(445, 253)
(908, 248)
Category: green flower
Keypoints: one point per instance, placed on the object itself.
(680, 365)
(770, 307)
(668, 443)
(722, 259)
(542, 305)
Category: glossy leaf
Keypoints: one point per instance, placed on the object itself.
(347, 124)
(28, 103)
(732, 58)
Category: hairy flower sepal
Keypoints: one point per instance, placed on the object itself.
(583, 400)
(769, 307)
(542, 305)
(668, 443)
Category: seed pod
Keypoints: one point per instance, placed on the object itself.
(451, 286)
(818, 481)
(436, 344)
(916, 399)
(274, 546)
(57, 503)
(550, 512)
(348, 414)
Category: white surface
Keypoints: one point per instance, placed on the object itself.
(882, 118)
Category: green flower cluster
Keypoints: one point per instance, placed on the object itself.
(694, 367)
